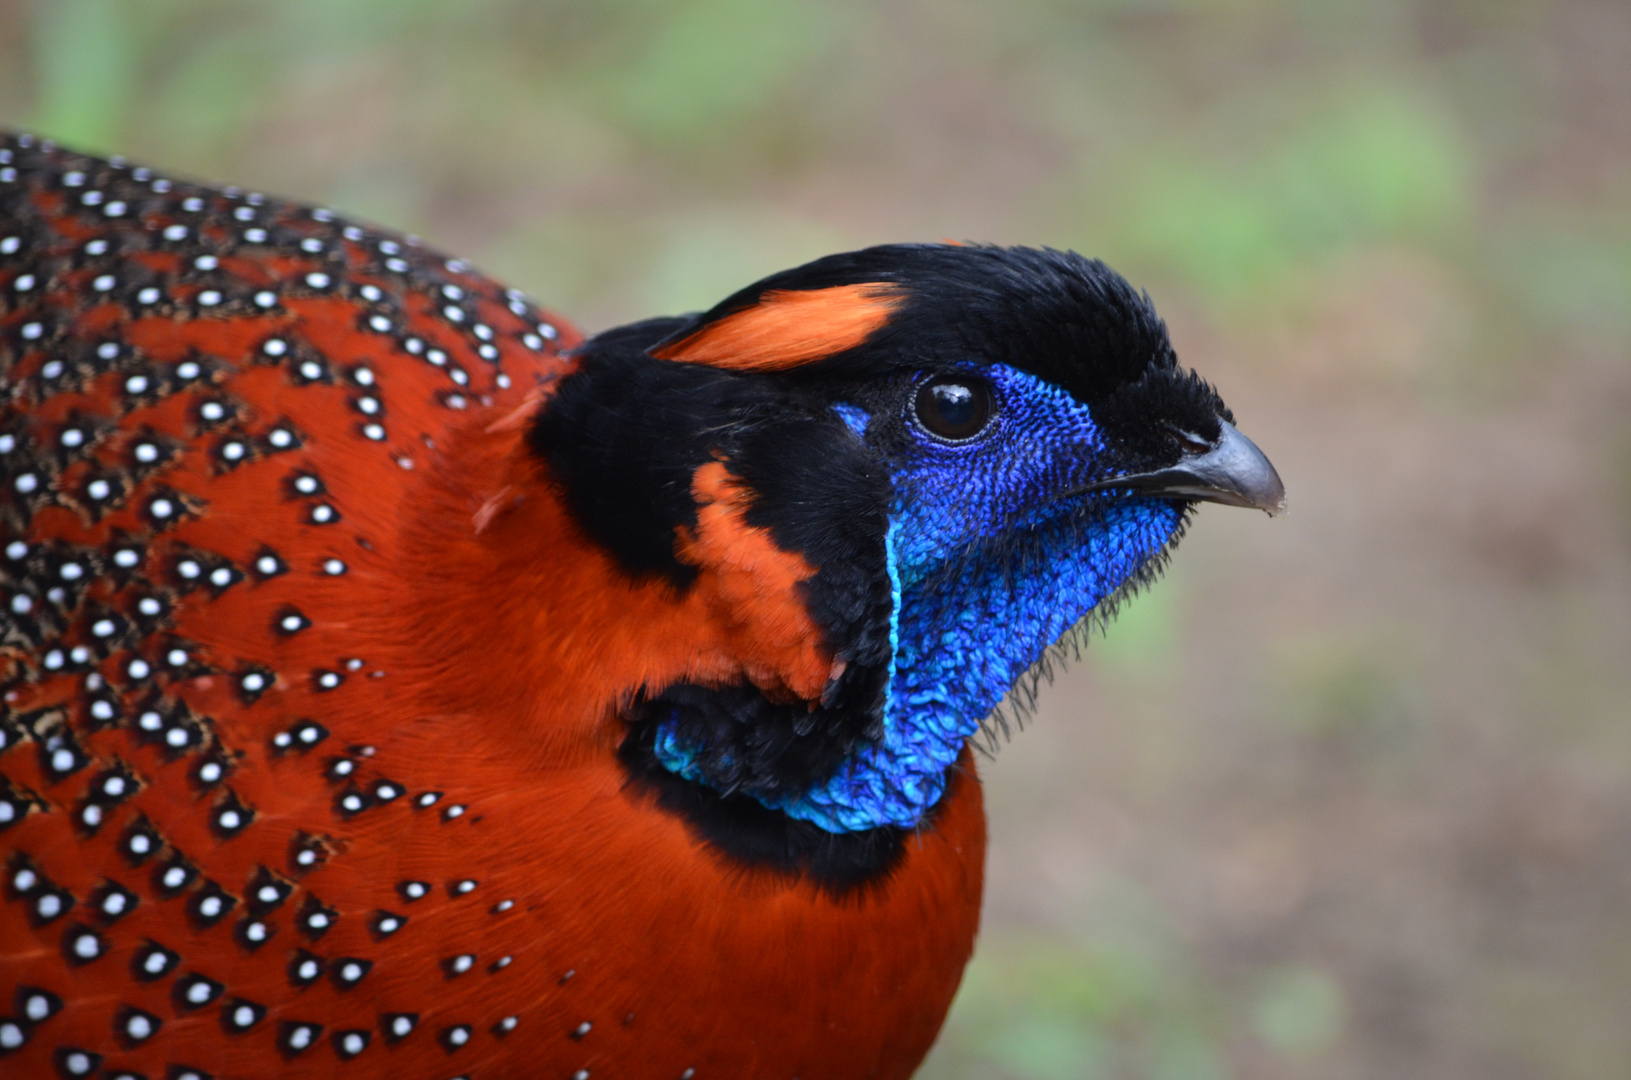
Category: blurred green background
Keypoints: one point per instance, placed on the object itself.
(1348, 794)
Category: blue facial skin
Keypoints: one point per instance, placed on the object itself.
(990, 565)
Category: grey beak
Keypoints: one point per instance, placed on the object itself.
(1233, 471)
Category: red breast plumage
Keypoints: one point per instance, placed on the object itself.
(309, 757)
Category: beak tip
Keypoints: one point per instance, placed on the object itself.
(1272, 499)
(1239, 468)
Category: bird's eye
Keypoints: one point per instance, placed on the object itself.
(955, 408)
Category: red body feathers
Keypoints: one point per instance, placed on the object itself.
(311, 688)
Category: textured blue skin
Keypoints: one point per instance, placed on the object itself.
(989, 567)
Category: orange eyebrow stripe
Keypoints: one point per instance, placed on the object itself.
(787, 328)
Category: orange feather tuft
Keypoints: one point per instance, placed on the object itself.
(787, 328)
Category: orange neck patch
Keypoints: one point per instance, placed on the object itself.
(787, 328)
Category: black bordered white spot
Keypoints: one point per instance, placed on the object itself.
(413, 890)
(297, 1036)
(252, 682)
(233, 451)
(462, 887)
(268, 564)
(397, 1026)
(305, 968)
(306, 483)
(48, 902)
(61, 756)
(133, 1026)
(212, 412)
(149, 609)
(223, 576)
(352, 801)
(252, 933)
(36, 1005)
(239, 1015)
(193, 991)
(347, 971)
(385, 923)
(266, 892)
(173, 876)
(315, 918)
(210, 904)
(349, 1043)
(453, 1038)
(112, 901)
(152, 961)
(141, 841)
(281, 437)
(73, 1061)
(211, 771)
(230, 816)
(81, 945)
(163, 509)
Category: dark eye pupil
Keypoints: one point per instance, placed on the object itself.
(953, 409)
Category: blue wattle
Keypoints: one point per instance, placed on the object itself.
(963, 639)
